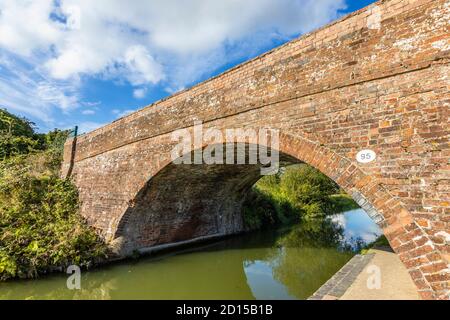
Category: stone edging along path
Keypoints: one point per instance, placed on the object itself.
(338, 284)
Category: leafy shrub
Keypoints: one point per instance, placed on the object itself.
(259, 211)
(380, 242)
(40, 227)
(15, 126)
(300, 193)
(16, 136)
(315, 233)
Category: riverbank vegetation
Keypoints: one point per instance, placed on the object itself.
(301, 195)
(298, 193)
(40, 228)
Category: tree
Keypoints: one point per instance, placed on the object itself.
(17, 135)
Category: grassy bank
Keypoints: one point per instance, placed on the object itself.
(299, 193)
(40, 228)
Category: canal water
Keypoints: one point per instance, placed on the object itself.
(288, 263)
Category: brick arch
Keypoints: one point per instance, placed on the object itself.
(385, 209)
(166, 170)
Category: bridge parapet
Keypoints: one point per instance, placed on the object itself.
(344, 53)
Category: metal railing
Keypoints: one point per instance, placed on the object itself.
(73, 133)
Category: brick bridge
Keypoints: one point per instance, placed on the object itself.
(377, 79)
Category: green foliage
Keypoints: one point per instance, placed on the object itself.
(15, 126)
(40, 228)
(12, 145)
(17, 137)
(315, 233)
(258, 211)
(310, 266)
(300, 193)
(342, 202)
(54, 140)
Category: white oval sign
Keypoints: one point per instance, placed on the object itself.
(366, 156)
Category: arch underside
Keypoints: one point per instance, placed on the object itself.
(188, 201)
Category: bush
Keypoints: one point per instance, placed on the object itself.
(40, 227)
(380, 242)
(315, 233)
(17, 136)
(259, 211)
(300, 193)
(15, 126)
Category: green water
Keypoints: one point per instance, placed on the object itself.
(279, 264)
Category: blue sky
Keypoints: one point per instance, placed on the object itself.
(87, 63)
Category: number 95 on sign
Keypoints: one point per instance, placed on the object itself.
(366, 156)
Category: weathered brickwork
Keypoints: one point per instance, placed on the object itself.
(358, 83)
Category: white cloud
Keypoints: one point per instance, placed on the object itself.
(88, 112)
(143, 68)
(202, 25)
(53, 95)
(140, 93)
(146, 43)
(25, 25)
(339, 219)
(26, 89)
(92, 103)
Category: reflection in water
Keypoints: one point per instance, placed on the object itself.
(288, 263)
(294, 273)
(357, 224)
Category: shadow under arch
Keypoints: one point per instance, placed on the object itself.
(194, 201)
(191, 201)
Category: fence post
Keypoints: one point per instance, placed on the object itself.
(72, 153)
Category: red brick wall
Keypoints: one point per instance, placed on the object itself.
(332, 93)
